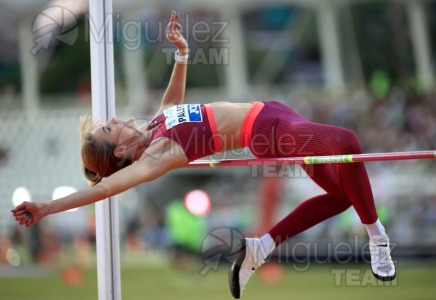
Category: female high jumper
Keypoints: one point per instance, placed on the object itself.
(118, 156)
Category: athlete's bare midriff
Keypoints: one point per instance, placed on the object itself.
(229, 118)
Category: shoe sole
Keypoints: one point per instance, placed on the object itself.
(386, 278)
(235, 289)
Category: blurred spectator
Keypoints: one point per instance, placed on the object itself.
(187, 232)
(3, 155)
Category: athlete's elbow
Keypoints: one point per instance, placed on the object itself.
(103, 191)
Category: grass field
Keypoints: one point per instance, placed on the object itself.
(162, 282)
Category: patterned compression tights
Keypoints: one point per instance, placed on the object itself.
(345, 184)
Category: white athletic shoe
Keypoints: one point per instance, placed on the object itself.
(381, 262)
(249, 257)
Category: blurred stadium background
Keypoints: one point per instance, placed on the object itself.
(365, 65)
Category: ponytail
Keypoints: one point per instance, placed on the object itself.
(92, 177)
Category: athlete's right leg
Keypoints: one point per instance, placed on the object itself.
(320, 139)
(345, 185)
(309, 138)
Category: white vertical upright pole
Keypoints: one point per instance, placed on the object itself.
(236, 77)
(29, 68)
(421, 43)
(133, 62)
(103, 108)
(330, 49)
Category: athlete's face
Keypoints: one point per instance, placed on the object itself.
(117, 131)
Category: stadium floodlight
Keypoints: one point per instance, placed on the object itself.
(197, 202)
(20, 195)
(63, 191)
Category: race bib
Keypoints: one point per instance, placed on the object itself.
(182, 113)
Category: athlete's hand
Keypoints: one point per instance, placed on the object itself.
(174, 35)
(29, 213)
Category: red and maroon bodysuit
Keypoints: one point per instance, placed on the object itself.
(273, 130)
(192, 126)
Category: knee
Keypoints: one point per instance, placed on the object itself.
(348, 142)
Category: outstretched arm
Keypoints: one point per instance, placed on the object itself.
(161, 157)
(175, 92)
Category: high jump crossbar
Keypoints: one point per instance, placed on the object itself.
(310, 160)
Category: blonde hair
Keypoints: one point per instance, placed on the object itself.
(98, 159)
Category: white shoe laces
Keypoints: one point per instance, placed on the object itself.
(380, 254)
(383, 258)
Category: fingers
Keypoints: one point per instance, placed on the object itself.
(19, 212)
(173, 24)
(22, 216)
(174, 27)
(24, 219)
(29, 222)
(174, 16)
(22, 206)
